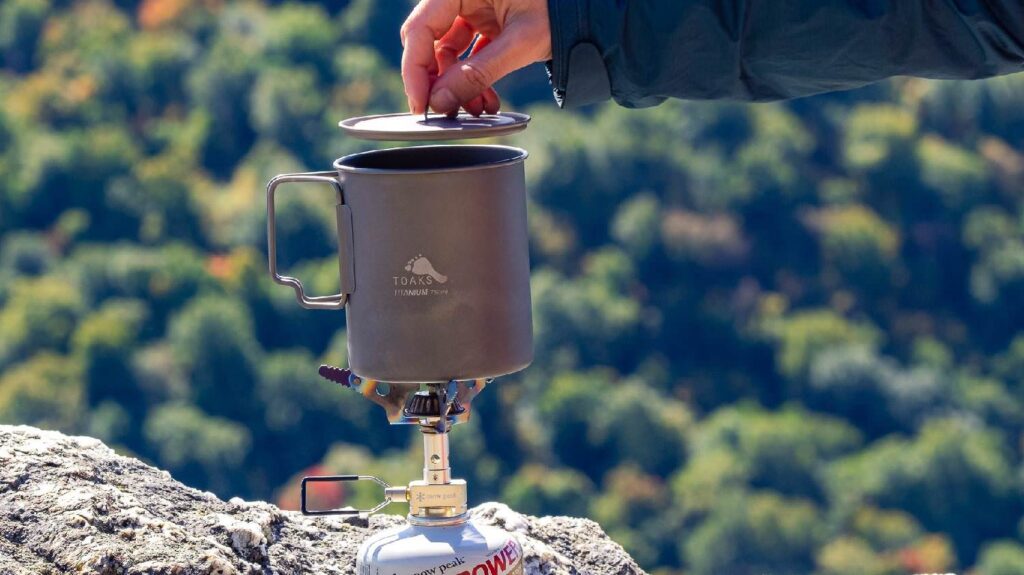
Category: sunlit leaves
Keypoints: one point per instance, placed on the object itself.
(1002, 558)
(876, 134)
(537, 490)
(803, 335)
(194, 444)
(21, 22)
(44, 391)
(952, 476)
(40, 314)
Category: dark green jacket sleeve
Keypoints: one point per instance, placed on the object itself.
(643, 51)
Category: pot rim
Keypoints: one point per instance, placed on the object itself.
(340, 163)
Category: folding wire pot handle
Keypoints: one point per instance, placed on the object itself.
(344, 216)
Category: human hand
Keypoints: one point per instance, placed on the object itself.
(512, 34)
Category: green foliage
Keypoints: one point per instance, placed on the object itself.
(857, 245)
(878, 136)
(775, 338)
(45, 391)
(538, 490)
(569, 402)
(365, 83)
(627, 510)
(956, 174)
(636, 224)
(623, 421)
(784, 451)
(858, 384)
(287, 107)
(212, 339)
(991, 401)
(193, 444)
(25, 254)
(165, 277)
(953, 478)
(375, 22)
(885, 530)
(220, 87)
(805, 334)
(641, 427)
(1010, 364)
(104, 342)
(1002, 558)
(850, 556)
(39, 314)
(756, 534)
(21, 23)
(596, 304)
(157, 64)
(302, 34)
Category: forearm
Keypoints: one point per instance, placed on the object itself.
(772, 49)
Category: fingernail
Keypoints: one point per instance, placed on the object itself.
(443, 101)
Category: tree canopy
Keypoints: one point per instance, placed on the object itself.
(778, 338)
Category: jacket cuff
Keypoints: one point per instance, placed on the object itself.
(577, 70)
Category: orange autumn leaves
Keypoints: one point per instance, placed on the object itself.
(155, 14)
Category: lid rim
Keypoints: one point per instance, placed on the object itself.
(413, 130)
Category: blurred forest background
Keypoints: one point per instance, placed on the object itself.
(781, 338)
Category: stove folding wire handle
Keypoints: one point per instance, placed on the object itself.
(345, 252)
(351, 512)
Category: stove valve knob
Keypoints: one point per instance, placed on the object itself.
(397, 493)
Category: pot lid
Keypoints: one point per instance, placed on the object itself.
(414, 127)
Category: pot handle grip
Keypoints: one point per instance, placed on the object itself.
(335, 301)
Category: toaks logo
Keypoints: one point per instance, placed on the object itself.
(421, 272)
(421, 276)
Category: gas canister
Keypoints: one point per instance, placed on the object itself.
(465, 549)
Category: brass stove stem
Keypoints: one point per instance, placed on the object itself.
(437, 499)
(436, 469)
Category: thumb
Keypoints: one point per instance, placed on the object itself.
(469, 78)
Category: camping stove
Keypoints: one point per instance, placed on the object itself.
(440, 538)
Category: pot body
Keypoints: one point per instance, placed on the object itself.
(434, 262)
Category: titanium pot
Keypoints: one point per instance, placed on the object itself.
(434, 261)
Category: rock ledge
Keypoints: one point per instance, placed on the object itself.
(71, 505)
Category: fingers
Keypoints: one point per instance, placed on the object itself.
(452, 45)
(448, 50)
(476, 105)
(455, 41)
(429, 21)
(489, 100)
(474, 75)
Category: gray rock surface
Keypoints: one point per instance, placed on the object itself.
(71, 505)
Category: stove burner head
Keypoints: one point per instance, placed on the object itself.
(438, 405)
(427, 403)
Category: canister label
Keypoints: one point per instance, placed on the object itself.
(460, 550)
(506, 561)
